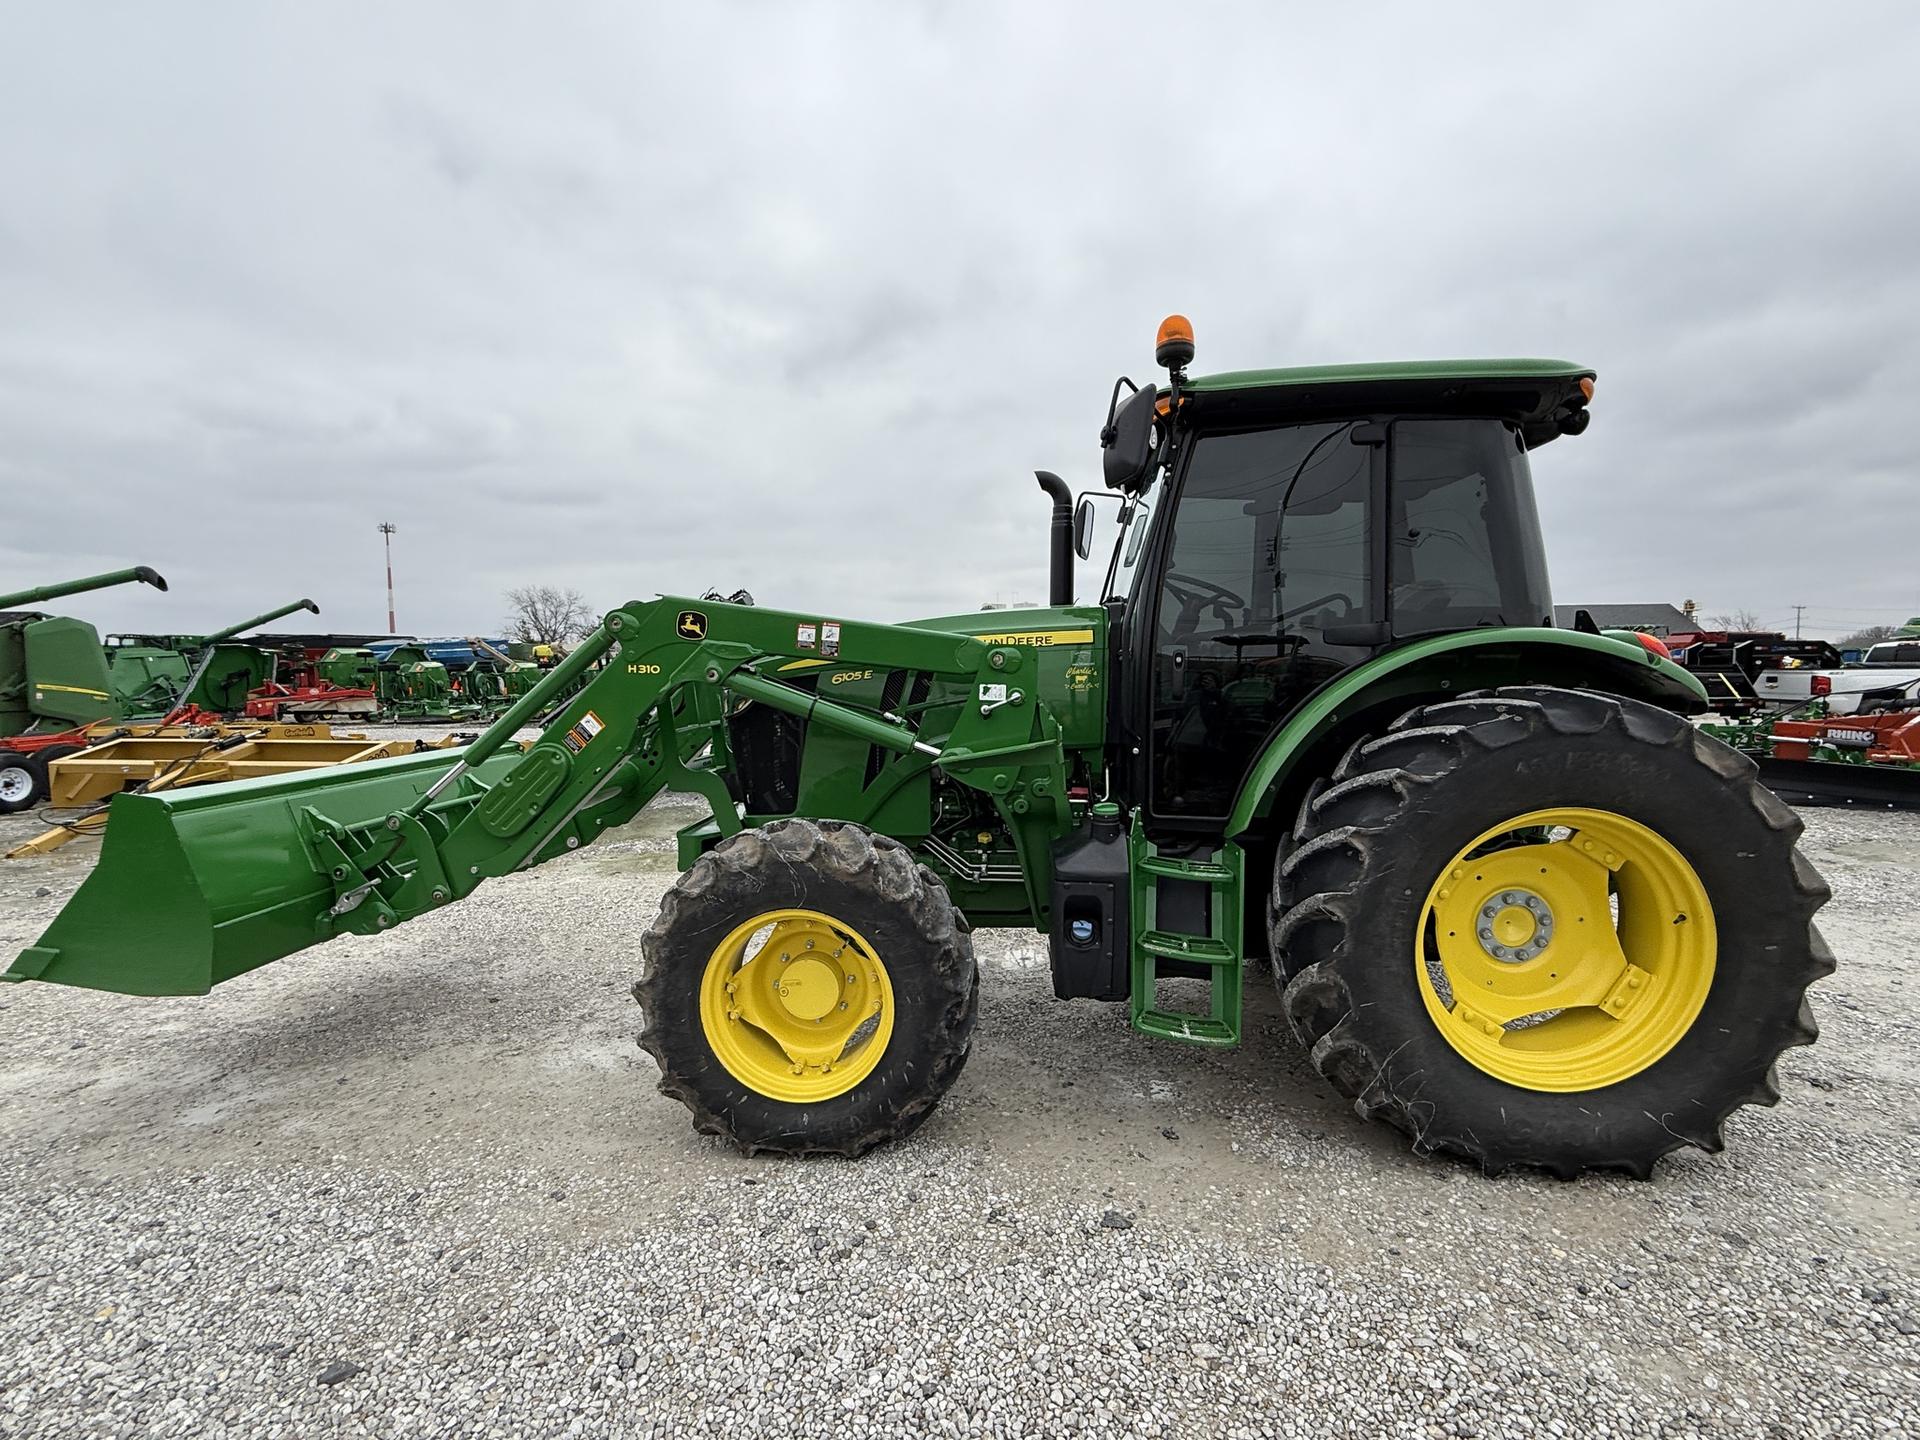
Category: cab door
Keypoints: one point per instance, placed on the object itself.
(1266, 578)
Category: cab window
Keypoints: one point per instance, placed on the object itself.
(1465, 548)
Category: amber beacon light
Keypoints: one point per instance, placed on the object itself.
(1173, 347)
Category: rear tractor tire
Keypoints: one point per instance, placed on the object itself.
(23, 781)
(1548, 928)
(809, 990)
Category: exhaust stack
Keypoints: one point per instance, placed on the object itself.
(1059, 539)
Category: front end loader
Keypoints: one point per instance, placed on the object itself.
(1316, 719)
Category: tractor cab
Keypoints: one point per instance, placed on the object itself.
(1279, 527)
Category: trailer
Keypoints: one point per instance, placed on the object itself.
(1814, 756)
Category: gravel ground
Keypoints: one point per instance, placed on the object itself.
(421, 1184)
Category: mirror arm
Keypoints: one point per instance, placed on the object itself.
(1128, 504)
(1113, 408)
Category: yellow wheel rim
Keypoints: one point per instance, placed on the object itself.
(796, 1006)
(1566, 949)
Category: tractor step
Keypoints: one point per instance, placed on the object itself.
(1187, 947)
(1156, 939)
(1206, 871)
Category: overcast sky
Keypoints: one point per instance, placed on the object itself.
(648, 298)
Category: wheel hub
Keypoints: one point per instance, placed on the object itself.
(808, 988)
(796, 1005)
(15, 783)
(1566, 949)
(1515, 925)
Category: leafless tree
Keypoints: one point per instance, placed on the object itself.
(1860, 639)
(547, 615)
(1736, 621)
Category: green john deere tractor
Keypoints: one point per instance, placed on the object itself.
(1316, 716)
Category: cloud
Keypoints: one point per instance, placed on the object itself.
(796, 298)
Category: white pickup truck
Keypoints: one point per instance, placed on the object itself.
(1891, 666)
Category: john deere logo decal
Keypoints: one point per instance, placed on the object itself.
(691, 625)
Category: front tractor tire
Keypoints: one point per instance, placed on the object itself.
(1547, 928)
(809, 989)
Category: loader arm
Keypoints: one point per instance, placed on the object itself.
(194, 888)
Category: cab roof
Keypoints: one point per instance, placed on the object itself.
(1533, 393)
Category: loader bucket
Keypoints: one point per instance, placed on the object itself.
(197, 886)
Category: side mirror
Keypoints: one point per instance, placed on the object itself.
(1128, 443)
(1083, 519)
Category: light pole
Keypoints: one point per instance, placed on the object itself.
(386, 536)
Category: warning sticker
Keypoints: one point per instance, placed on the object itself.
(582, 731)
(829, 637)
(805, 636)
(993, 694)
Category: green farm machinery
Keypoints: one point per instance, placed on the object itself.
(413, 687)
(1316, 718)
(494, 679)
(213, 674)
(53, 674)
(54, 680)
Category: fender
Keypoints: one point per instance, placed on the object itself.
(1368, 696)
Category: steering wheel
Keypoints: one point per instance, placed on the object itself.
(1346, 607)
(1197, 596)
(1441, 595)
(1273, 632)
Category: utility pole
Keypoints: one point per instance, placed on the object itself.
(386, 535)
(1796, 620)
